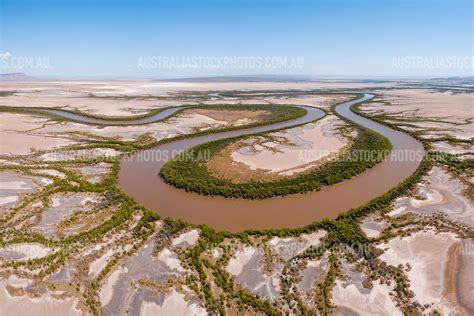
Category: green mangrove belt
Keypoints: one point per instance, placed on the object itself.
(274, 114)
(187, 171)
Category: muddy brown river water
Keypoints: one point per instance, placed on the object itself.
(139, 178)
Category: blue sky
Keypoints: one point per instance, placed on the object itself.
(331, 37)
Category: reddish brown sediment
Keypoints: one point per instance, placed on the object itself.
(464, 274)
(450, 271)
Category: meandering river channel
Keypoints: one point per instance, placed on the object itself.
(138, 177)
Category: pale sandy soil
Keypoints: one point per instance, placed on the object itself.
(462, 133)
(427, 254)
(76, 94)
(247, 266)
(107, 290)
(170, 259)
(120, 290)
(351, 300)
(465, 275)
(174, 303)
(186, 239)
(45, 181)
(260, 274)
(87, 220)
(63, 206)
(63, 155)
(240, 259)
(323, 101)
(320, 101)
(32, 134)
(94, 173)
(351, 297)
(319, 138)
(9, 162)
(372, 226)
(5, 200)
(228, 116)
(99, 264)
(283, 153)
(13, 186)
(430, 104)
(184, 123)
(44, 304)
(441, 192)
(291, 246)
(24, 251)
(311, 275)
(18, 136)
(49, 172)
(453, 149)
(216, 252)
(63, 276)
(313, 239)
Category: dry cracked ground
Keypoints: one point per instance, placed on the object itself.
(72, 244)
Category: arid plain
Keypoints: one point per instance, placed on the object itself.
(72, 243)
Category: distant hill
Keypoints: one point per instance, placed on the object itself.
(17, 76)
(245, 78)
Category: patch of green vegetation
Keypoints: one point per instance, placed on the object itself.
(343, 231)
(324, 289)
(48, 111)
(187, 170)
(453, 163)
(278, 113)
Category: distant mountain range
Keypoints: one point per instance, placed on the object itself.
(245, 78)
